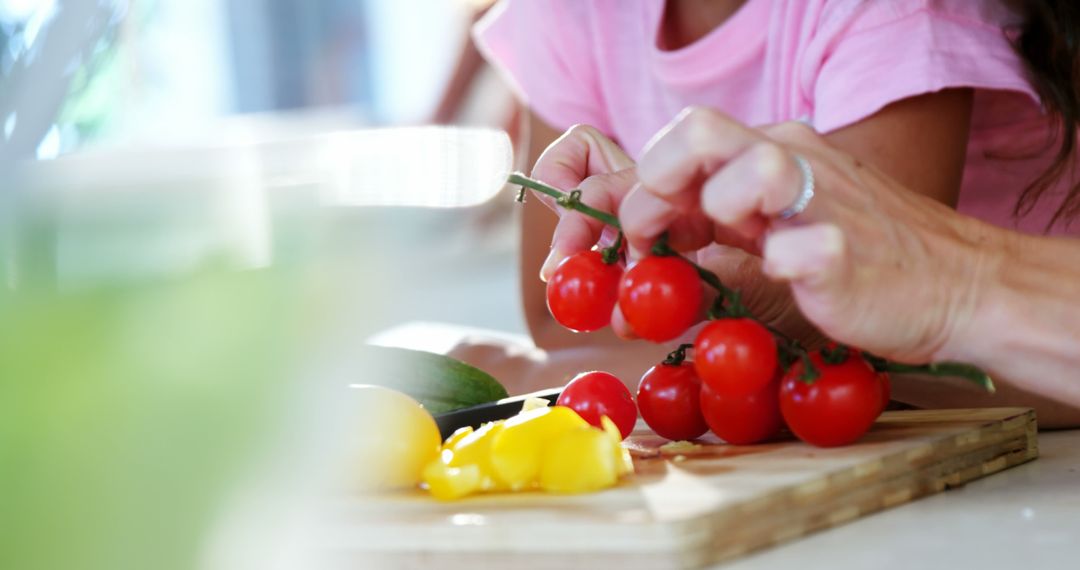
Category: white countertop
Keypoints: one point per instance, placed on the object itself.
(1026, 517)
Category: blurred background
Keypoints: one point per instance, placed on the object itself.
(173, 315)
(109, 70)
(78, 75)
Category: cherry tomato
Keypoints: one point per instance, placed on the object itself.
(669, 397)
(583, 290)
(744, 418)
(661, 297)
(838, 407)
(596, 394)
(735, 357)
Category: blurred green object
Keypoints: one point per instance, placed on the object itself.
(178, 326)
(125, 412)
(148, 351)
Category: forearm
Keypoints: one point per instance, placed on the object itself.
(1025, 329)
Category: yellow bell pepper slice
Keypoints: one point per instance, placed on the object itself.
(456, 437)
(448, 483)
(517, 450)
(475, 449)
(624, 464)
(579, 461)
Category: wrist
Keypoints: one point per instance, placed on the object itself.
(981, 303)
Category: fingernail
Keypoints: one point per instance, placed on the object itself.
(550, 263)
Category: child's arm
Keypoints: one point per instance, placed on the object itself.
(921, 142)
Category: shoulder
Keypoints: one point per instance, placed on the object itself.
(539, 14)
(856, 16)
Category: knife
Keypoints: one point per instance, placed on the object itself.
(475, 416)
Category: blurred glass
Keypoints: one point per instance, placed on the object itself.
(160, 332)
(75, 73)
(177, 299)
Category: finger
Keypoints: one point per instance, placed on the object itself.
(620, 327)
(578, 232)
(814, 257)
(580, 152)
(644, 216)
(694, 145)
(753, 188)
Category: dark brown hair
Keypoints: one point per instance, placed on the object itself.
(1049, 43)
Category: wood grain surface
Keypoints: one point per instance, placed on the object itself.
(690, 509)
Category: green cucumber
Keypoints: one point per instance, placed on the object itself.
(440, 383)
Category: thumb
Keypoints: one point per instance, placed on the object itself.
(816, 260)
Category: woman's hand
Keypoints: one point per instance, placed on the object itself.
(585, 150)
(869, 262)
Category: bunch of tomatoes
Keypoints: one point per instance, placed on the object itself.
(736, 381)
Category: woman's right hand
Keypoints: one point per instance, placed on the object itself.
(868, 261)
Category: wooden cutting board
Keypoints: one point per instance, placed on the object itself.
(711, 504)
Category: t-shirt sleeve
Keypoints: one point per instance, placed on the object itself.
(541, 48)
(882, 52)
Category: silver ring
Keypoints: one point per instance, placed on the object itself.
(805, 193)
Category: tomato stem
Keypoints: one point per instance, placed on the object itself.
(677, 356)
(835, 355)
(962, 370)
(569, 200)
(810, 373)
(610, 255)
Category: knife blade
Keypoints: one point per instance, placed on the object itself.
(475, 416)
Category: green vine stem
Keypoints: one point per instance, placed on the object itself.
(963, 370)
(569, 200)
(789, 348)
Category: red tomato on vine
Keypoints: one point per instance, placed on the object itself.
(838, 407)
(668, 398)
(742, 419)
(735, 357)
(583, 290)
(596, 394)
(661, 297)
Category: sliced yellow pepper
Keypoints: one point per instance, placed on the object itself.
(579, 461)
(447, 483)
(517, 450)
(475, 449)
(457, 436)
(624, 464)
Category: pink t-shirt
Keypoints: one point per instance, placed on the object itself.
(828, 62)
